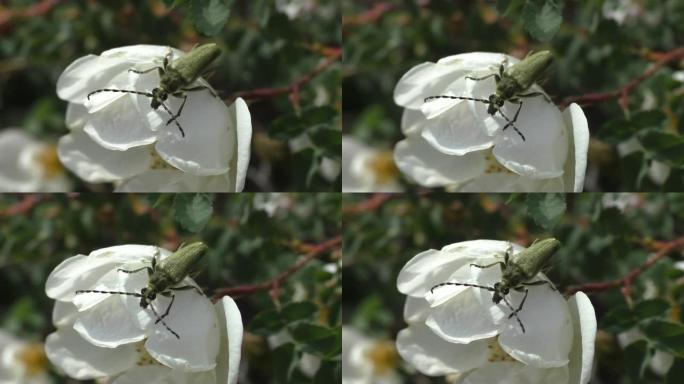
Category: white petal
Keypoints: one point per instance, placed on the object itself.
(76, 116)
(95, 164)
(423, 80)
(473, 61)
(77, 272)
(412, 122)
(425, 270)
(463, 319)
(481, 249)
(130, 253)
(507, 182)
(582, 353)
(82, 360)
(578, 136)
(230, 327)
(434, 356)
(143, 53)
(193, 318)
(543, 153)
(87, 74)
(548, 333)
(416, 309)
(516, 373)
(241, 124)
(64, 314)
(153, 374)
(120, 126)
(430, 168)
(109, 324)
(457, 132)
(208, 144)
(168, 180)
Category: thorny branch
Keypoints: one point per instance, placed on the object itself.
(312, 251)
(623, 93)
(39, 9)
(22, 206)
(294, 88)
(371, 204)
(626, 281)
(370, 16)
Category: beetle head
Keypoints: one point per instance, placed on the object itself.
(500, 291)
(147, 296)
(159, 95)
(495, 102)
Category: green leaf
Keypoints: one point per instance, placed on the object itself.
(546, 209)
(210, 16)
(507, 7)
(299, 311)
(664, 147)
(651, 308)
(676, 373)
(328, 140)
(289, 126)
(618, 130)
(193, 211)
(636, 360)
(318, 340)
(542, 21)
(665, 335)
(267, 322)
(284, 363)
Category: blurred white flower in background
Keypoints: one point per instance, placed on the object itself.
(621, 10)
(29, 165)
(456, 143)
(110, 335)
(460, 330)
(367, 169)
(117, 137)
(295, 8)
(22, 362)
(367, 360)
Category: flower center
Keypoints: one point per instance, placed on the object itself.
(33, 358)
(496, 354)
(383, 356)
(382, 166)
(49, 161)
(144, 358)
(493, 166)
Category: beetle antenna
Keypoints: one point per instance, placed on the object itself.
(159, 320)
(463, 284)
(119, 90)
(108, 292)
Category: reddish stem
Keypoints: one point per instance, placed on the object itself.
(312, 252)
(625, 282)
(369, 205)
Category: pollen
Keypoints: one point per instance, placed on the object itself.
(144, 358)
(49, 161)
(496, 354)
(33, 358)
(493, 166)
(158, 162)
(382, 166)
(383, 356)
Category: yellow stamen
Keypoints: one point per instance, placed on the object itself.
(384, 357)
(382, 166)
(33, 358)
(49, 161)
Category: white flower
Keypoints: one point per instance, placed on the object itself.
(456, 143)
(366, 360)
(101, 335)
(118, 137)
(21, 361)
(28, 165)
(367, 169)
(294, 8)
(460, 330)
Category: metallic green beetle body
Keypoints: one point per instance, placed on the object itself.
(175, 79)
(172, 270)
(517, 272)
(518, 78)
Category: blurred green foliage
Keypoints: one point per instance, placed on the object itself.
(603, 236)
(599, 46)
(252, 238)
(263, 48)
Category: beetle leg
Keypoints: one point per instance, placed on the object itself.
(145, 71)
(541, 282)
(515, 118)
(501, 263)
(199, 88)
(515, 312)
(149, 270)
(185, 288)
(496, 77)
(177, 115)
(534, 94)
(162, 321)
(168, 307)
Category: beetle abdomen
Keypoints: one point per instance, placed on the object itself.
(195, 62)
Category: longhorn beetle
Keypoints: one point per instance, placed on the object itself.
(511, 84)
(163, 276)
(516, 272)
(175, 78)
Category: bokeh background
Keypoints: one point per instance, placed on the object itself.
(266, 44)
(252, 238)
(603, 236)
(599, 46)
